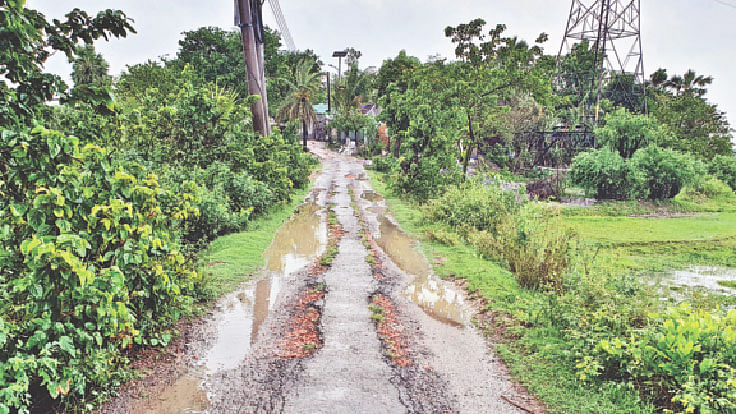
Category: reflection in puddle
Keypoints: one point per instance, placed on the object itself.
(437, 298)
(703, 276)
(371, 196)
(295, 245)
(185, 396)
(400, 248)
(242, 312)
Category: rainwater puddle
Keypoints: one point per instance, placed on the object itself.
(371, 196)
(242, 312)
(185, 396)
(703, 276)
(437, 298)
(295, 245)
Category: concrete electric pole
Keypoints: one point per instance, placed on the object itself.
(251, 33)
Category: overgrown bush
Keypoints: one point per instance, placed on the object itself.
(226, 200)
(625, 132)
(685, 360)
(385, 164)
(664, 172)
(534, 243)
(472, 205)
(89, 264)
(724, 168)
(605, 174)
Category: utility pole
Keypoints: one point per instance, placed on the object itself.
(253, 66)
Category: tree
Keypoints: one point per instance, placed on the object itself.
(492, 69)
(679, 103)
(299, 104)
(89, 67)
(392, 81)
(27, 41)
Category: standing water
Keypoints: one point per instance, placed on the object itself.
(437, 298)
(240, 314)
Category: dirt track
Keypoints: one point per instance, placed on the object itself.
(310, 338)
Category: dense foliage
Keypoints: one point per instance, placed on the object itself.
(102, 207)
(90, 264)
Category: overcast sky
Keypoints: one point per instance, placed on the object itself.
(676, 34)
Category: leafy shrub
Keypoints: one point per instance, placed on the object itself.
(605, 174)
(385, 164)
(473, 204)
(535, 244)
(684, 360)
(226, 200)
(664, 172)
(724, 168)
(89, 264)
(625, 132)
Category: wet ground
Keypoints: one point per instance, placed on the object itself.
(715, 279)
(233, 360)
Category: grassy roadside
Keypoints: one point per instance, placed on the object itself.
(232, 259)
(533, 352)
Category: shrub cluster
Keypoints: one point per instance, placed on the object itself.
(685, 359)
(652, 173)
(529, 238)
(472, 205)
(534, 244)
(724, 168)
(89, 264)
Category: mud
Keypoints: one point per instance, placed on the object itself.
(302, 338)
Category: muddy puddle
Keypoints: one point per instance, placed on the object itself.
(240, 314)
(185, 396)
(437, 298)
(716, 279)
(371, 196)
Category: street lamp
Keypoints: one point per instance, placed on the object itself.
(339, 54)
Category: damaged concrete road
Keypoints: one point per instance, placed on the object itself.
(347, 317)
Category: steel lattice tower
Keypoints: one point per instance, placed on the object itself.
(613, 28)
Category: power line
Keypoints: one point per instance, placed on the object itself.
(281, 21)
(725, 3)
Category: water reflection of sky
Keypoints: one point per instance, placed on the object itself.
(295, 246)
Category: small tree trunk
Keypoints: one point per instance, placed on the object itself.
(397, 146)
(304, 134)
(469, 147)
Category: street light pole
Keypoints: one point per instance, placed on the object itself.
(340, 54)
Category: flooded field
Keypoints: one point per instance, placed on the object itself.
(715, 279)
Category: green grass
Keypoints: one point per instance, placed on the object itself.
(727, 283)
(231, 260)
(628, 230)
(536, 357)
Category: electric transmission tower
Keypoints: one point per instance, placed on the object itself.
(613, 30)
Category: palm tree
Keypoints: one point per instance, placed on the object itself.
(298, 103)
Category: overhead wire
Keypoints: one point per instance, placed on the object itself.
(725, 3)
(281, 21)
